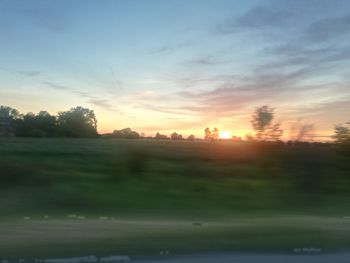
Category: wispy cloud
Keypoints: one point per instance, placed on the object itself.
(296, 19)
(47, 18)
(100, 102)
(26, 73)
(205, 61)
(55, 85)
(324, 111)
(260, 17)
(29, 73)
(282, 69)
(42, 14)
(295, 55)
(169, 48)
(328, 28)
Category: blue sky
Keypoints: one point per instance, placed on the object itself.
(179, 65)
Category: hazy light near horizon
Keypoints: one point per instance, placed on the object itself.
(225, 135)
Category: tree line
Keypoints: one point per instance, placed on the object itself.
(262, 123)
(127, 133)
(76, 122)
(80, 122)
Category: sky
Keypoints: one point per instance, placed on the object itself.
(179, 65)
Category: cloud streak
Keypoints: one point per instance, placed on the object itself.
(55, 85)
(260, 17)
(99, 102)
(327, 29)
(205, 61)
(25, 73)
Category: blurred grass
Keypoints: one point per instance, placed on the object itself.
(177, 180)
(169, 178)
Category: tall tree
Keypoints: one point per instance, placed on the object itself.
(262, 123)
(8, 119)
(301, 131)
(341, 134)
(207, 133)
(78, 122)
(274, 132)
(261, 119)
(215, 134)
(211, 135)
(8, 112)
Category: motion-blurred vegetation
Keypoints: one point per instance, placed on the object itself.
(171, 177)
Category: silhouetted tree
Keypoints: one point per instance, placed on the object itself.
(300, 131)
(261, 119)
(40, 125)
(78, 122)
(47, 123)
(215, 134)
(160, 136)
(207, 135)
(274, 132)
(126, 133)
(341, 134)
(27, 128)
(8, 112)
(191, 137)
(8, 119)
(262, 124)
(211, 135)
(176, 136)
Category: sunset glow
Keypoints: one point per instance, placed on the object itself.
(225, 135)
(210, 69)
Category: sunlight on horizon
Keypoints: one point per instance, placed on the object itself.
(225, 135)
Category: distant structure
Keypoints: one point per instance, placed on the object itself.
(7, 127)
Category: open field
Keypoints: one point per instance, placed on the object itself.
(78, 196)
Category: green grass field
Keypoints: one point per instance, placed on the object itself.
(105, 196)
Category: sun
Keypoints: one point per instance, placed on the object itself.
(225, 135)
